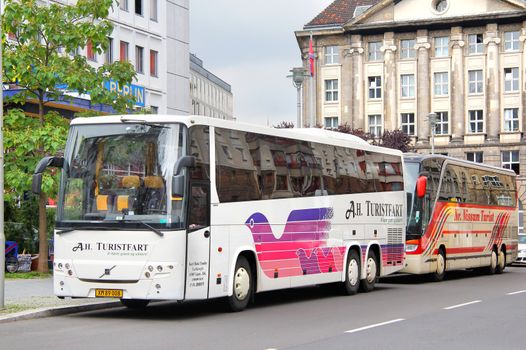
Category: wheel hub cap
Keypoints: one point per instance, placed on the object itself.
(241, 283)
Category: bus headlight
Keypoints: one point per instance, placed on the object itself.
(411, 247)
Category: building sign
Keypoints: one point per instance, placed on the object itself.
(133, 90)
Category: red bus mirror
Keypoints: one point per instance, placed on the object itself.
(421, 186)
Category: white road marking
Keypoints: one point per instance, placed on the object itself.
(375, 325)
(460, 305)
(517, 292)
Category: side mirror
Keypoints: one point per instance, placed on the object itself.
(421, 186)
(57, 162)
(179, 180)
(178, 185)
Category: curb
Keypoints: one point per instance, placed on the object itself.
(56, 311)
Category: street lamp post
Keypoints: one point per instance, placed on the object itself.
(432, 117)
(298, 77)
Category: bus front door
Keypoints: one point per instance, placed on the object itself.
(198, 242)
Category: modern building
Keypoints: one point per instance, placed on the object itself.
(153, 35)
(389, 64)
(210, 95)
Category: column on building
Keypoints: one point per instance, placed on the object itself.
(390, 85)
(422, 47)
(458, 121)
(492, 87)
(357, 72)
(346, 95)
(522, 39)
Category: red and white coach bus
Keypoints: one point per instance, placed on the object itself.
(460, 215)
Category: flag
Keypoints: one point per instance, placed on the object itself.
(311, 56)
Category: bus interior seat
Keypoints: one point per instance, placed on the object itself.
(154, 193)
(131, 184)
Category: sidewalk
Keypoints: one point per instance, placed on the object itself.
(33, 298)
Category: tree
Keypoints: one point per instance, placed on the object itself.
(396, 139)
(38, 58)
(284, 125)
(347, 129)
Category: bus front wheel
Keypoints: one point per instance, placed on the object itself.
(440, 272)
(242, 290)
(492, 268)
(371, 273)
(352, 276)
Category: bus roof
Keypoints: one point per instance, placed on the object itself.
(306, 134)
(418, 158)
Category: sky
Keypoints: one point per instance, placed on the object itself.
(250, 44)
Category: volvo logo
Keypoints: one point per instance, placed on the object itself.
(107, 272)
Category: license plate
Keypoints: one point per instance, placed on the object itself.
(108, 293)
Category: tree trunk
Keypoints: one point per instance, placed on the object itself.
(42, 217)
(42, 234)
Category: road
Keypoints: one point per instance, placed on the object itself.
(468, 310)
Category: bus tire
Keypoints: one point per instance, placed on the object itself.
(492, 268)
(242, 286)
(371, 273)
(11, 264)
(135, 303)
(352, 273)
(440, 272)
(501, 262)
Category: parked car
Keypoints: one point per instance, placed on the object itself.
(521, 258)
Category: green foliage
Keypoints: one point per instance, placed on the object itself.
(38, 60)
(284, 125)
(25, 143)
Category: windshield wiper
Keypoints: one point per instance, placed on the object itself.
(71, 229)
(151, 228)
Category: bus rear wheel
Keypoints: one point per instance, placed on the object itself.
(501, 262)
(371, 273)
(352, 273)
(135, 303)
(440, 272)
(242, 288)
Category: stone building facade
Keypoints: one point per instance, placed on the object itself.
(209, 94)
(388, 64)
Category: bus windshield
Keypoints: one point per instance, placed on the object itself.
(118, 176)
(411, 172)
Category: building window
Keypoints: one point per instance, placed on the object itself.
(511, 119)
(477, 157)
(153, 10)
(154, 55)
(108, 57)
(331, 55)
(139, 59)
(510, 160)
(442, 124)
(375, 87)
(511, 79)
(124, 51)
(475, 43)
(138, 7)
(511, 41)
(408, 123)
(331, 90)
(331, 123)
(476, 121)
(476, 81)
(375, 54)
(375, 125)
(442, 46)
(441, 84)
(90, 53)
(123, 5)
(154, 109)
(407, 82)
(440, 6)
(407, 49)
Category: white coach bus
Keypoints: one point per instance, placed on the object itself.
(184, 208)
